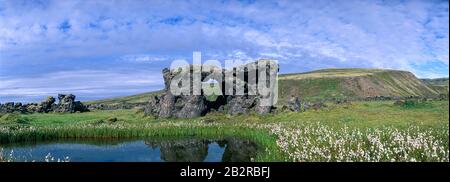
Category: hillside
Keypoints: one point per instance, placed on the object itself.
(338, 83)
(438, 84)
(138, 98)
(333, 83)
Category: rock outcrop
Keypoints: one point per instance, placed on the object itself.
(193, 105)
(293, 104)
(67, 104)
(47, 105)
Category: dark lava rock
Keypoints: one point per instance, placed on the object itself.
(166, 105)
(67, 104)
(152, 108)
(293, 104)
(193, 106)
(240, 104)
(47, 104)
(190, 105)
(7, 107)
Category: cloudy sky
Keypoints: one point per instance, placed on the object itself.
(99, 49)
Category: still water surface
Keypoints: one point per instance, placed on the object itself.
(148, 150)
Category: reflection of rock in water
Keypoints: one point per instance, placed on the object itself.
(238, 150)
(196, 150)
(187, 150)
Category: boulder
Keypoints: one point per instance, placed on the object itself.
(240, 104)
(19, 107)
(293, 104)
(193, 106)
(167, 76)
(7, 107)
(79, 107)
(318, 105)
(47, 104)
(166, 105)
(152, 108)
(263, 109)
(67, 104)
(33, 107)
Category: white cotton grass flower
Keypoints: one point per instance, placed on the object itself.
(323, 143)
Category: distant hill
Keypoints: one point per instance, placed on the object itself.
(138, 98)
(350, 82)
(334, 83)
(438, 84)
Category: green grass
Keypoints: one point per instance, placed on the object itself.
(351, 83)
(438, 84)
(13, 118)
(332, 73)
(364, 116)
(437, 81)
(138, 98)
(312, 89)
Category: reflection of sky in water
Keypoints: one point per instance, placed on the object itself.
(215, 152)
(134, 151)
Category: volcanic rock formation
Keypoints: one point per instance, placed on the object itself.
(67, 104)
(227, 81)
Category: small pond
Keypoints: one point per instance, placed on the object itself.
(142, 150)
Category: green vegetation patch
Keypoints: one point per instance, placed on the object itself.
(13, 118)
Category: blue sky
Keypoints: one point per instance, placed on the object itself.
(99, 49)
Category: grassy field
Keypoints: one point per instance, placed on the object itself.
(361, 131)
(138, 98)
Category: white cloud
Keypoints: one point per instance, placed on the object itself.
(93, 83)
(143, 58)
(301, 35)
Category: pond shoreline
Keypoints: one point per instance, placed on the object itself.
(33, 135)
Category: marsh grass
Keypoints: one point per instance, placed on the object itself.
(163, 130)
(13, 118)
